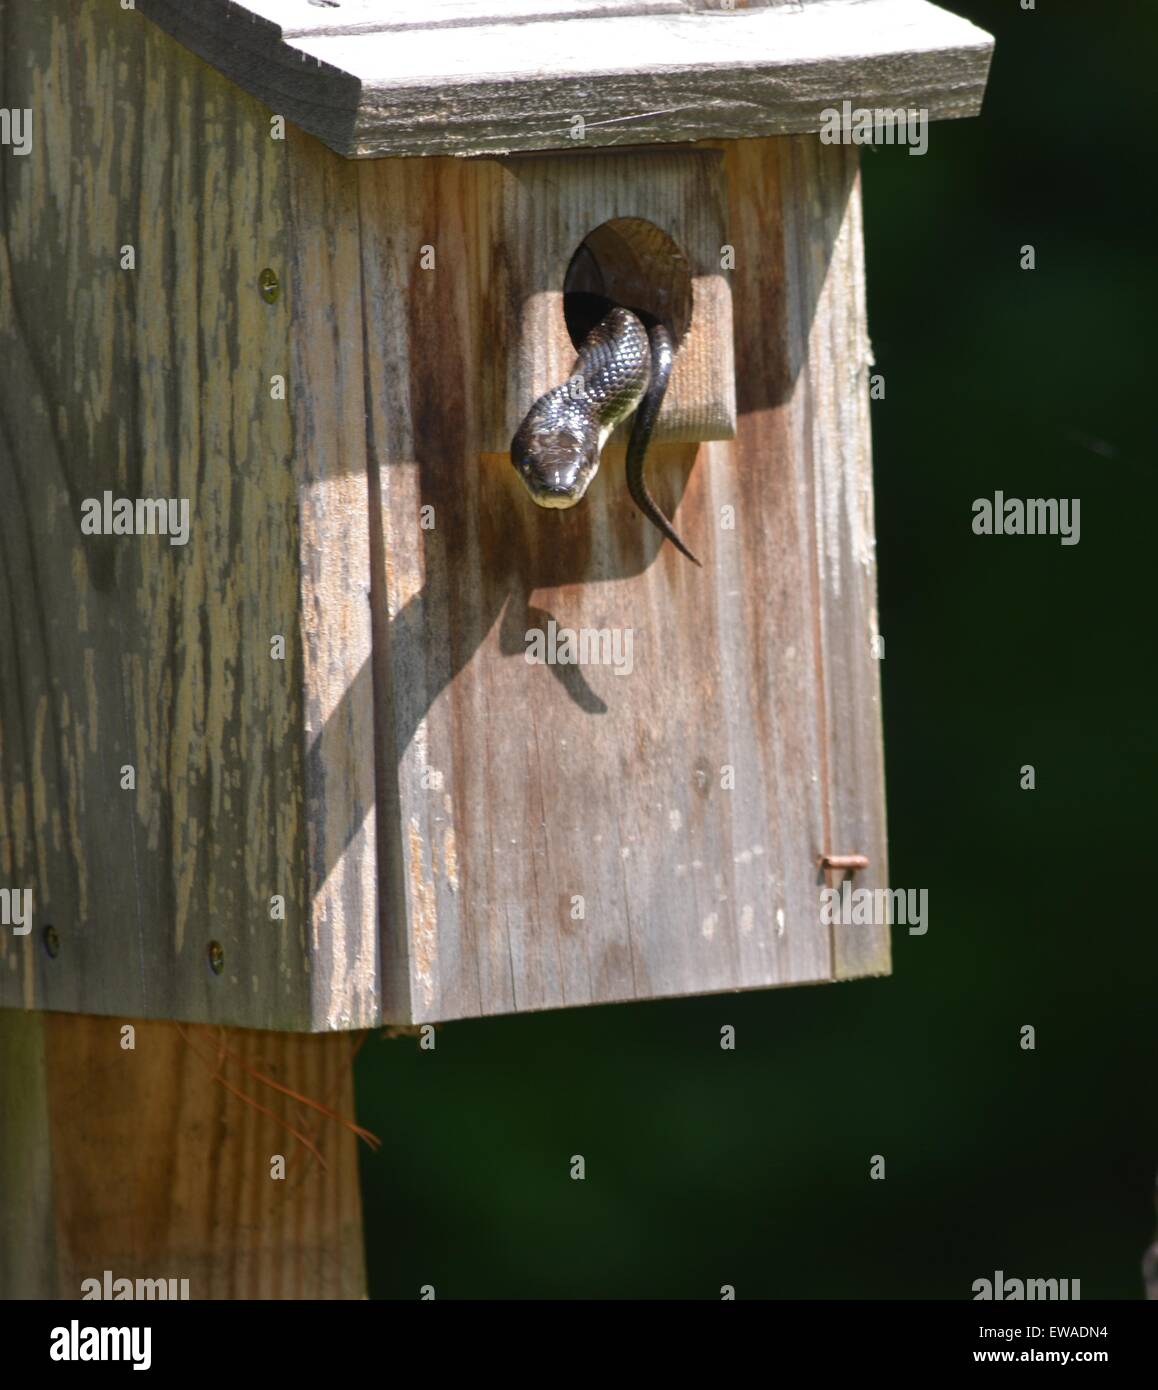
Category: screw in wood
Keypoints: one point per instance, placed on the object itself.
(843, 861)
(216, 957)
(270, 285)
(51, 941)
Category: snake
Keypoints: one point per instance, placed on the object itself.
(624, 365)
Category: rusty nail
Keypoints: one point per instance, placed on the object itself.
(843, 861)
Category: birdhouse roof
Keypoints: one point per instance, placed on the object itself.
(372, 78)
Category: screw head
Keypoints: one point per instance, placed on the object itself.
(270, 285)
(216, 956)
(51, 941)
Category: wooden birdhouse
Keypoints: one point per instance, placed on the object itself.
(311, 719)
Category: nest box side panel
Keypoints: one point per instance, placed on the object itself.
(152, 761)
(560, 834)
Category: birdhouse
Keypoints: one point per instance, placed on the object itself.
(312, 719)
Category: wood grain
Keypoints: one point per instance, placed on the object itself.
(522, 789)
(126, 650)
(140, 1163)
(831, 430)
(520, 82)
(328, 410)
(302, 18)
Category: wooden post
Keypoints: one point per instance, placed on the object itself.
(141, 1163)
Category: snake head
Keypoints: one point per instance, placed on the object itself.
(555, 457)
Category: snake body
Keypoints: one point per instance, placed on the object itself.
(623, 365)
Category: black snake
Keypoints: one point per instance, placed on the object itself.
(623, 365)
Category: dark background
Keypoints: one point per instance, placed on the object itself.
(751, 1167)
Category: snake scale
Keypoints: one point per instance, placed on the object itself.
(624, 364)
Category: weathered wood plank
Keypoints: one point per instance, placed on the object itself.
(140, 1163)
(469, 89)
(124, 650)
(306, 19)
(522, 789)
(313, 18)
(827, 343)
(832, 426)
(328, 407)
